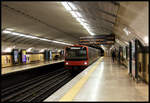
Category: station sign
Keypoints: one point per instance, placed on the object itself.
(98, 40)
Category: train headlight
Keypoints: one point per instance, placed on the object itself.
(85, 63)
(67, 63)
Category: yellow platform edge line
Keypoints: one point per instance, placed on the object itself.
(75, 89)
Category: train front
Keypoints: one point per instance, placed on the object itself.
(76, 57)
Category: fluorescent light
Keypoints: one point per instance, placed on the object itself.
(91, 33)
(33, 37)
(65, 4)
(146, 39)
(14, 33)
(14, 47)
(56, 41)
(127, 43)
(111, 47)
(79, 20)
(82, 23)
(102, 47)
(42, 50)
(72, 6)
(6, 32)
(28, 36)
(83, 20)
(117, 41)
(85, 26)
(9, 49)
(44, 39)
(73, 14)
(126, 31)
(29, 49)
(79, 14)
(76, 15)
(10, 29)
(60, 42)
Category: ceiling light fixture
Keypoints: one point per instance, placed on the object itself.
(15, 33)
(146, 39)
(112, 47)
(127, 43)
(83, 20)
(33, 37)
(10, 29)
(65, 4)
(102, 47)
(120, 42)
(73, 14)
(6, 32)
(79, 15)
(70, 7)
(79, 20)
(126, 31)
(29, 49)
(9, 49)
(42, 50)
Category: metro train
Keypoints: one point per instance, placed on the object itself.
(78, 57)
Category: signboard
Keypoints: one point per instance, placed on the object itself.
(15, 56)
(97, 40)
(6, 59)
(23, 55)
(133, 58)
(50, 55)
(27, 59)
(124, 53)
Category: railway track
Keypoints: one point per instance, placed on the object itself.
(36, 89)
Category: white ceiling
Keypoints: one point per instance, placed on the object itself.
(134, 16)
(51, 20)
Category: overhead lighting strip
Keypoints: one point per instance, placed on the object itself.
(126, 31)
(33, 37)
(146, 39)
(121, 43)
(71, 8)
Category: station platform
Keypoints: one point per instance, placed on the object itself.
(102, 81)
(7, 70)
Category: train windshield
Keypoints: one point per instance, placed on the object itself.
(76, 53)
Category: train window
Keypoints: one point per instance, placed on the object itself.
(76, 54)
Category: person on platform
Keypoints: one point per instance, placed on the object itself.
(113, 55)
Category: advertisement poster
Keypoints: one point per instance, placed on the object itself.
(27, 58)
(6, 60)
(127, 57)
(23, 56)
(133, 58)
(16, 56)
(50, 55)
(124, 53)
